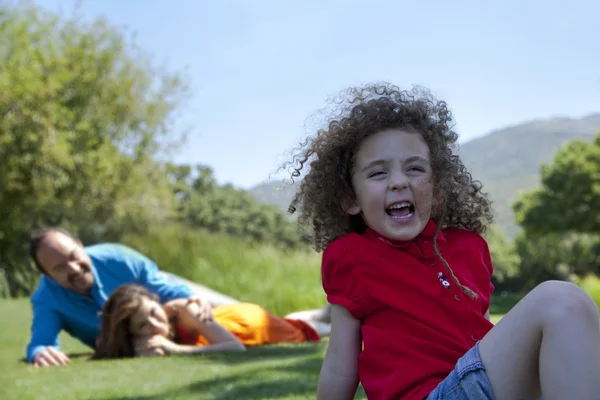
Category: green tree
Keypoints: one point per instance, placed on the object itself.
(84, 114)
(204, 204)
(504, 257)
(561, 236)
(569, 197)
(556, 256)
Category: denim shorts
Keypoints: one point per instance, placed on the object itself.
(468, 380)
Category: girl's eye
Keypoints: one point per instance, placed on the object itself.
(419, 169)
(376, 173)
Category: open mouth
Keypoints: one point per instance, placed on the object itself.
(401, 210)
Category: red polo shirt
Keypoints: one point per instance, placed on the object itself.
(414, 328)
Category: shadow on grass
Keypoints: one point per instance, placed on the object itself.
(266, 353)
(231, 388)
(252, 354)
(253, 385)
(248, 386)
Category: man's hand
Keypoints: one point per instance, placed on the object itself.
(155, 346)
(192, 307)
(50, 356)
(197, 308)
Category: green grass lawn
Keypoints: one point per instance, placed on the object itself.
(282, 282)
(272, 372)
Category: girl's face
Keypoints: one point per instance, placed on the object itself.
(149, 319)
(392, 181)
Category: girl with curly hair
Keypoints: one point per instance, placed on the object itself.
(408, 273)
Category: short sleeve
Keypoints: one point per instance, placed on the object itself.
(487, 287)
(342, 278)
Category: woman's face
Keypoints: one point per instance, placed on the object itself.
(149, 319)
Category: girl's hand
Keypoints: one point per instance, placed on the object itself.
(155, 346)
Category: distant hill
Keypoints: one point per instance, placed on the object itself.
(506, 161)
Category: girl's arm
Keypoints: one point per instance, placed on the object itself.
(220, 340)
(191, 319)
(159, 345)
(339, 373)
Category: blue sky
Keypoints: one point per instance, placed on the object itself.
(259, 68)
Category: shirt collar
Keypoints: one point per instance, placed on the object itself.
(421, 246)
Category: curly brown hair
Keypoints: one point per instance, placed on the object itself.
(330, 154)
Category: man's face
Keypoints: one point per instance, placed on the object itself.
(65, 261)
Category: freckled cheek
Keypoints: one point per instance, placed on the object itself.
(368, 193)
(423, 184)
(423, 191)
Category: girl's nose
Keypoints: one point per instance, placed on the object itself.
(397, 181)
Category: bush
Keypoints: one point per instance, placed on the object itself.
(591, 284)
(504, 301)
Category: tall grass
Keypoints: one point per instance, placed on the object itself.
(281, 281)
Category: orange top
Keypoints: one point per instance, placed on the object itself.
(253, 326)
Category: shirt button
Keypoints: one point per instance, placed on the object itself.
(457, 297)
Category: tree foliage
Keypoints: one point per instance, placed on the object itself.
(569, 197)
(203, 204)
(82, 114)
(556, 256)
(561, 235)
(504, 257)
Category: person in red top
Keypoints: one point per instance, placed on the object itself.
(408, 273)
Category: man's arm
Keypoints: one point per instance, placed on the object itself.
(43, 348)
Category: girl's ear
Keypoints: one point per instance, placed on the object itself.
(350, 206)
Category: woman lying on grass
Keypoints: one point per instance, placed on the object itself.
(135, 324)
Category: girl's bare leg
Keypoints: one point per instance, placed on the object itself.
(318, 314)
(549, 342)
(319, 319)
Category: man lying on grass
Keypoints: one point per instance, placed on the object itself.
(135, 324)
(76, 282)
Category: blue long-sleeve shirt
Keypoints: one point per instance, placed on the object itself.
(56, 308)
